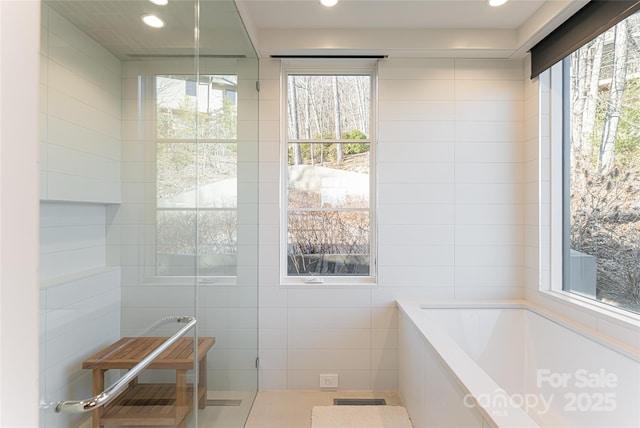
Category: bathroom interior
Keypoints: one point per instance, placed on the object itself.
(161, 200)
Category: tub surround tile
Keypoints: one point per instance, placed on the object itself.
(488, 276)
(409, 109)
(476, 293)
(319, 298)
(328, 359)
(413, 172)
(469, 69)
(489, 151)
(489, 90)
(335, 318)
(417, 255)
(415, 89)
(417, 69)
(416, 130)
(488, 110)
(329, 339)
(416, 152)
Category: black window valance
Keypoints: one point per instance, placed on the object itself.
(593, 19)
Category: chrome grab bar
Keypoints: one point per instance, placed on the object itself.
(117, 388)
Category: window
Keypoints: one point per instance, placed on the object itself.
(328, 154)
(196, 175)
(601, 167)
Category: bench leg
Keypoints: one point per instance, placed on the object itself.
(181, 398)
(202, 382)
(97, 387)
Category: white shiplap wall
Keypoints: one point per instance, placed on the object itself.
(80, 115)
(80, 173)
(450, 209)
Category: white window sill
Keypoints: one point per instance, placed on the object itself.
(615, 315)
(329, 283)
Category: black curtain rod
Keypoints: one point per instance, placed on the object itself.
(593, 19)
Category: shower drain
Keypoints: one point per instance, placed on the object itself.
(224, 402)
(359, 402)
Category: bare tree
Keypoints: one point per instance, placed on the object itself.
(307, 116)
(585, 85)
(293, 117)
(336, 104)
(618, 83)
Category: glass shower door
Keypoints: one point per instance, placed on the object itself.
(149, 209)
(229, 273)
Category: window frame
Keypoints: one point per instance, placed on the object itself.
(340, 67)
(554, 114)
(151, 266)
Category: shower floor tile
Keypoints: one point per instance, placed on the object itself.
(292, 409)
(271, 409)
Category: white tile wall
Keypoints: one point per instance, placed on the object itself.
(72, 238)
(79, 315)
(450, 162)
(79, 300)
(80, 153)
(81, 120)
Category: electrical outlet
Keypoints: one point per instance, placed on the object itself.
(329, 381)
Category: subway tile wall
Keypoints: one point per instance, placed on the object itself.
(80, 115)
(80, 173)
(450, 167)
(79, 315)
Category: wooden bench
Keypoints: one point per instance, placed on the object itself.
(150, 403)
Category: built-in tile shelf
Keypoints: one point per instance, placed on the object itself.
(76, 276)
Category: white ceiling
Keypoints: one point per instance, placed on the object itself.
(117, 26)
(414, 28)
(409, 28)
(367, 14)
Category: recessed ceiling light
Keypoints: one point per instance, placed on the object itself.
(329, 3)
(496, 2)
(153, 21)
(160, 2)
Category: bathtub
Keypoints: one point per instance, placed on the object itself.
(511, 365)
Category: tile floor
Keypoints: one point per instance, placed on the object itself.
(292, 409)
(272, 409)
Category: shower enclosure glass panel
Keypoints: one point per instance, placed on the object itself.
(149, 201)
(211, 162)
